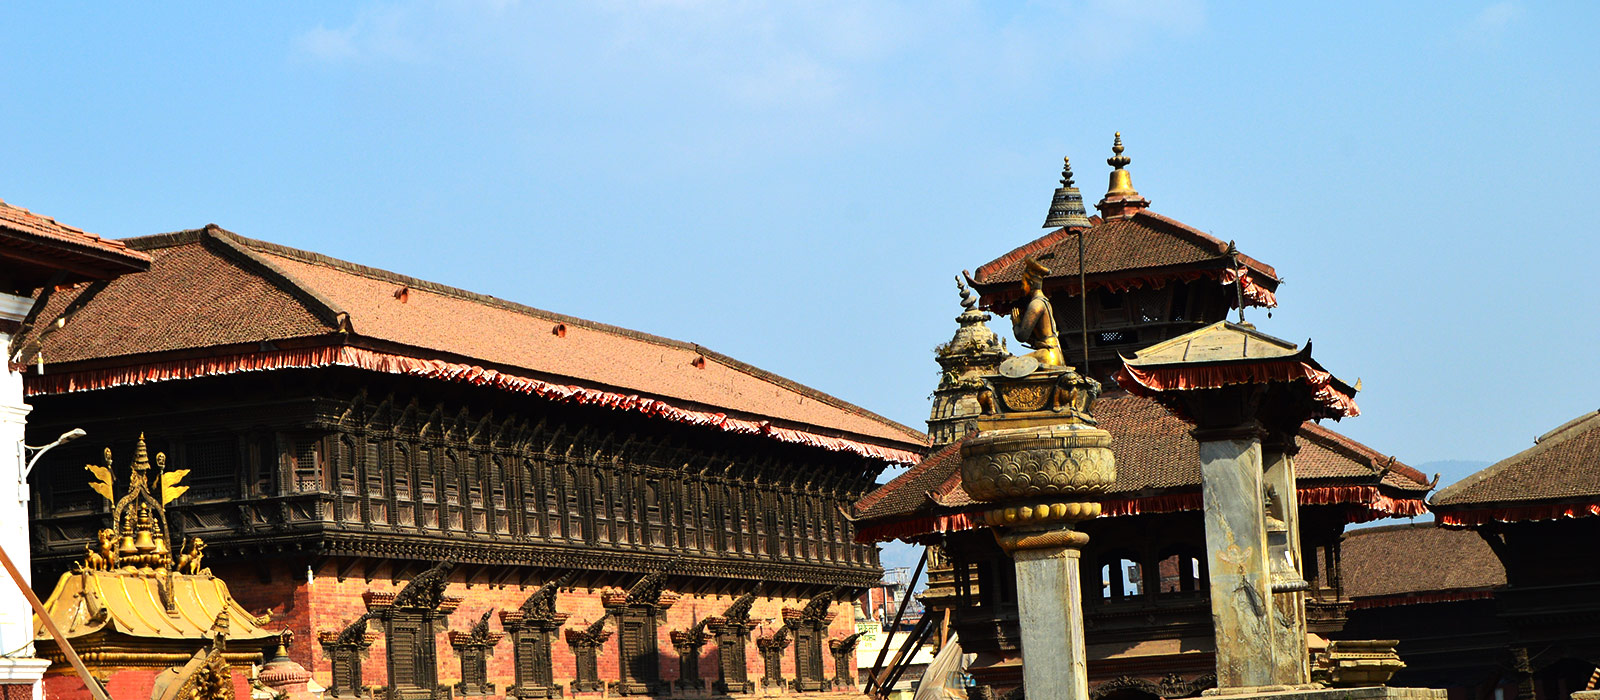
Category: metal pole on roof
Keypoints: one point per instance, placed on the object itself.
(1083, 301)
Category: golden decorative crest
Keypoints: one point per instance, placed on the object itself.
(170, 489)
(139, 537)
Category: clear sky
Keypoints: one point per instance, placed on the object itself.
(796, 184)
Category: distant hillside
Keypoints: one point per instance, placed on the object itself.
(1451, 470)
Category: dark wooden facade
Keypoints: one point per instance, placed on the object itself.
(367, 468)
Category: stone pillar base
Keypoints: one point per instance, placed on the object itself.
(1379, 692)
(20, 676)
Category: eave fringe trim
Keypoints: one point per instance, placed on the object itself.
(1468, 518)
(1149, 382)
(1390, 601)
(362, 358)
(1374, 504)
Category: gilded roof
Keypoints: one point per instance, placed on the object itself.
(126, 606)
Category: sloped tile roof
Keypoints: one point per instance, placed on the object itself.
(211, 289)
(1155, 456)
(1144, 241)
(1564, 464)
(1400, 560)
(23, 229)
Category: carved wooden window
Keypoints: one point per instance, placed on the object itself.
(570, 515)
(304, 457)
(736, 540)
(263, 464)
(532, 497)
(639, 661)
(377, 498)
(657, 531)
(498, 477)
(452, 492)
(404, 497)
(344, 464)
(213, 469)
(427, 491)
(480, 468)
(67, 488)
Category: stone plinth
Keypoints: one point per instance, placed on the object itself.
(1366, 693)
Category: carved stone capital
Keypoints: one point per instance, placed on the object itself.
(1037, 462)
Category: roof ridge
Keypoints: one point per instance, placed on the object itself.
(1020, 252)
(1218, 243)
(1357, 448)
(309, 257)
(1544, 443)
(323, 308)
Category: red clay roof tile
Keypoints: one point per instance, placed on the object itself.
(210, 288)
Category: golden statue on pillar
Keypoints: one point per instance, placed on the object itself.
(1034, 321)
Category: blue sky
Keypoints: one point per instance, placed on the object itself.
(796, 184)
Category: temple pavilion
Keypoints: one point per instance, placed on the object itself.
(1119, 282)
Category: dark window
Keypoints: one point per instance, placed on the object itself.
(213, 469)
(1180, 302)
(1116, 337)
(305, 462)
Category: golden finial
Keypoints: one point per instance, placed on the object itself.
(1121, 181)
(1066, 171)
(1118, 160)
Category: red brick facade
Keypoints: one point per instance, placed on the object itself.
(326, 603)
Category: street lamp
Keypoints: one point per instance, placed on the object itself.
(38, 452)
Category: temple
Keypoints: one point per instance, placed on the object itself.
(373, 458)
(1120, 283)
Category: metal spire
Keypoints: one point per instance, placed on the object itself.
(1066, 208)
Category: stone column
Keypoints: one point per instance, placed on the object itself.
(1039, 476)
(1236, 550)
(16, 616)
(1290, 655)
(1050, 610)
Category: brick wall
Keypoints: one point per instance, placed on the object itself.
(326, 603)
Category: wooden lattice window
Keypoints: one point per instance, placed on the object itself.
(376, 476)
(304, 456)
(213, 469)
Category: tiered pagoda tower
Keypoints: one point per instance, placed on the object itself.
(1142, 278)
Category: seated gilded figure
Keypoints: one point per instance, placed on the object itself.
(1033, 320)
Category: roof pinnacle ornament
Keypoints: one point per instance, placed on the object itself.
(1121, 199)
(1066, 208)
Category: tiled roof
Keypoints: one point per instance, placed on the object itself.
(211, 289)
(1563, 464)
(1144, 241)
(1155, 455)
(21, 228)
(1403, 560)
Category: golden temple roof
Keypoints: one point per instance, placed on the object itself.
(128, 604)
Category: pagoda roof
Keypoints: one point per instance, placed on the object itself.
(1145, 249)
(1417, 563)
(1158, 471)
(1224, 354)
(122, 610)
(34, 247)
(215, 302)
(1559, 477)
